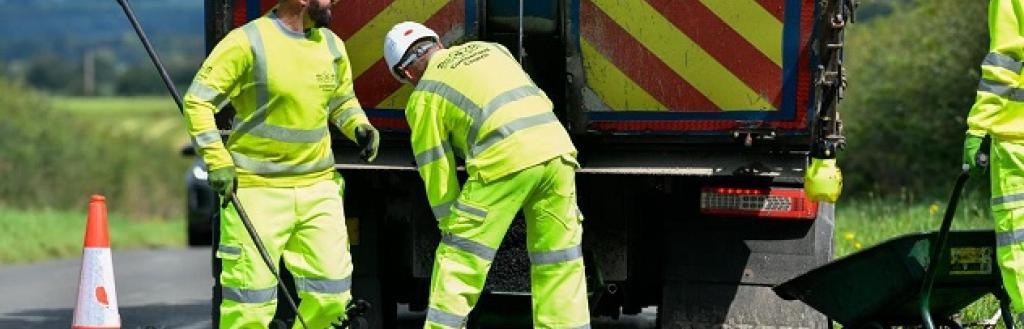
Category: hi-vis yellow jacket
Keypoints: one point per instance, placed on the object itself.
(285, 86)
(475, 100)
(999, 107)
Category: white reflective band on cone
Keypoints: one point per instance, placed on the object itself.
(97, 299)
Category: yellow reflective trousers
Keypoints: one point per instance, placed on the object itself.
(1007, 174)
(998, 112)
(546, 193)
(306, 226)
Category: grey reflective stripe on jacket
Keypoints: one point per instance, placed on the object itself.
(1007, 199)
(1001, 89)
(442, 210)
(264, 167)
(478, 115)
(337, 101)
(323, 286)
(437, 153)
(473, 247)
(470, 209)
(207, 138)
(503, 131)
(231, 250)
(206, 93)
(453, 96)
(259, 69)
(496, 103)
(557, 256)
(1009, 238)
(249, 296)
(348, 114)
(289, 135)
(256, 124)
(1003, 61)
(445, 319)
(332, 45)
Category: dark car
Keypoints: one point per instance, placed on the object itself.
(201, 205)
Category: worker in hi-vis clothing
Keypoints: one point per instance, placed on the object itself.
(476, 102)
(287, 77)
(998, 112)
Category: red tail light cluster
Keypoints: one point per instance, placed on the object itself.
(773, 202)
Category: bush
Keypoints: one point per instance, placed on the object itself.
(913, 76)
(53, 73)
(53, 159)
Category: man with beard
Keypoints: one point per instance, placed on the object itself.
(287, 77)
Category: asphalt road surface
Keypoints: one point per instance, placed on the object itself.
(158, 289)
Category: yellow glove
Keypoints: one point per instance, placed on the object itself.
(824, 181)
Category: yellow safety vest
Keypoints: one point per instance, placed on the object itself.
(285, 86)
(999, 107)
(476, 100)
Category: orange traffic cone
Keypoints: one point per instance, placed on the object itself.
(97, 302)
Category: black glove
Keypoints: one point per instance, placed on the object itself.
(368, 138)
(222, 180)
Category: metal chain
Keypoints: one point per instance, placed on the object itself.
(830, 82)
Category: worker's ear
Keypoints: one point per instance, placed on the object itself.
(407, 73)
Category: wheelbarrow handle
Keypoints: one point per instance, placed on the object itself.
(983, 156)
(939, 248)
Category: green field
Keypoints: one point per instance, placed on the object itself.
(33, 235)
(154, 118)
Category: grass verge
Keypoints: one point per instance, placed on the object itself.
(117, 105)
(155, 119)
(45, 234)
(868, 221)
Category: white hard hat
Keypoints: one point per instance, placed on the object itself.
(400, 38)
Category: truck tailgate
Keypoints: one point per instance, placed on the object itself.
(693, 66)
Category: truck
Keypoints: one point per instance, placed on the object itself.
(695, 122)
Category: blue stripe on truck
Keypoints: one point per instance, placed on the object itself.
(472, 27)
(790, 57)
(252, 9)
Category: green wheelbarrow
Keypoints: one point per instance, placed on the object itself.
(918, 279)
